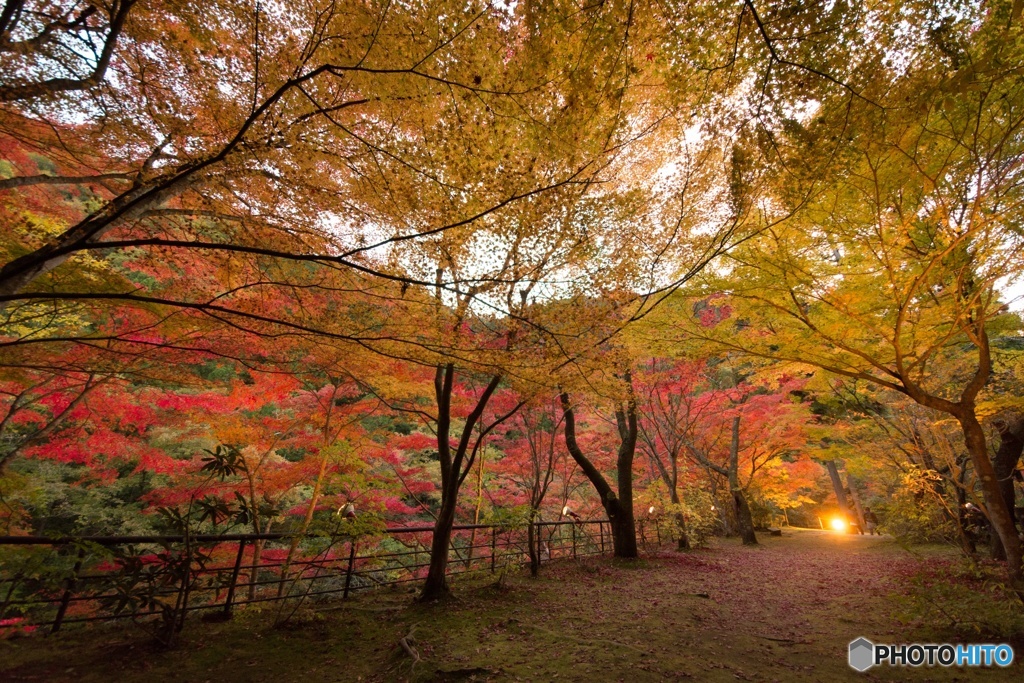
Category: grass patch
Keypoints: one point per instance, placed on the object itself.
(954, 599)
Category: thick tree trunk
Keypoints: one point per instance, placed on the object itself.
(743, 518)
(435, 587)
(619, 510)
(623, 528)
(683, 542)
(1011, 443)
(999, 515)
(744, 521)
(851, 484)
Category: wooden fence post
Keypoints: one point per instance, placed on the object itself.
(494, 545)
(234, 578)
(351, 561)
(69, 588)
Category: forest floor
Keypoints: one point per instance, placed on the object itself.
(783, 611)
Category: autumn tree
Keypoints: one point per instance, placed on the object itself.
(923, 458)
(907, 198)
(671, 407)
(532, 452)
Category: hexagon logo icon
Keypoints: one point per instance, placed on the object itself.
(862, 654)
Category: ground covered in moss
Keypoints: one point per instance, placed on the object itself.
(783, 611)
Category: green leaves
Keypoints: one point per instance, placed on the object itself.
(244, 513)
(224, 461)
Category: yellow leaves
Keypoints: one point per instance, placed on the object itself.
(993, 406)
(232, 430)
(772, 375)
(37, 229)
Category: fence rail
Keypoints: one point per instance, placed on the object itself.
(46, 583)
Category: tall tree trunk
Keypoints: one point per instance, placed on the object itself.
(966, 540)
(851, 484)
(619, 511)
(435, 586)
(999, 515)
(744, 521)
(684, 538)
(531, 544)
(1011, 443)
(306, 520)
(837, 485)
(671, 480)
(623, 527)
(626, 419)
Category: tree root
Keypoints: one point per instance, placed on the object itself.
(408, 643)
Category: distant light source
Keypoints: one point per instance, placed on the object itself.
(839, 524)
(650, 510)
(566, 511)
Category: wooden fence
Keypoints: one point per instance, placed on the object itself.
(46, 583)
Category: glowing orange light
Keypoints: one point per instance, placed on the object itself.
(838, 523)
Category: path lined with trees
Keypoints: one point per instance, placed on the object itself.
(785, 610)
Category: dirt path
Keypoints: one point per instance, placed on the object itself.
(783, 611)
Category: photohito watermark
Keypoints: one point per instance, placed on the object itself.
(864, 654)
